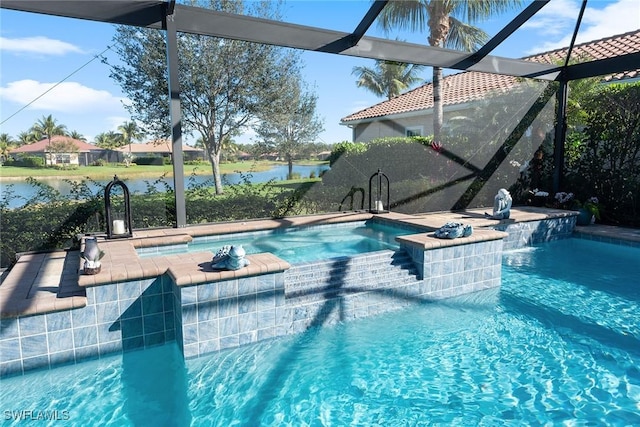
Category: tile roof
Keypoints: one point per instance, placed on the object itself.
(471, 85)
(43, 145)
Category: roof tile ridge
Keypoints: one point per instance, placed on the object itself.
(582, 45)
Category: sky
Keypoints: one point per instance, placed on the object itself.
(50, 65)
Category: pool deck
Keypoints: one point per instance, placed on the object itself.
(53, 281)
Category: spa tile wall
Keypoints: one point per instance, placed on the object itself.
(117, 317)
(456, 270)
(523, 234)
(229, 313)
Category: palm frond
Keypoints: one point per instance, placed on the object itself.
(465, 37)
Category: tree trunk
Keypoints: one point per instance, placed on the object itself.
(438, 29)
(437, 103)
(214, 158)
(290, 165)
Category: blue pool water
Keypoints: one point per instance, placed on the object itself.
(302, 244)
(558, 344)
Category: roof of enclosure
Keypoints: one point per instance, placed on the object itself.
(189, 19)
(469, 86)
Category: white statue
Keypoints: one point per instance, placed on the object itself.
(230, 258)
(501, 205)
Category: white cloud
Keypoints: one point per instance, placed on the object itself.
(556, 22)
(556, 17)
(38, 45)
(616, 18)
(67, 97)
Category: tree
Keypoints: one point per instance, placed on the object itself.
(109, 140)
(445, 30)
(230, 150)
(6, 143)
(47, 127)
(291, 122)
(387, 78)
(225, 84)
(6, 139)
(77, 135)
(129, 132)
(25, 138)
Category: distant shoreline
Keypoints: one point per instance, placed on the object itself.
(95, 173)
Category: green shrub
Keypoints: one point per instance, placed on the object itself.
(30, 162)
(608, 164)
(151, 160)
(345, 147)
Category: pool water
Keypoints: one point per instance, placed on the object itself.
(558, 344)
(302, 244)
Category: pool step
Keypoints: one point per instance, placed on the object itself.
(375, 272)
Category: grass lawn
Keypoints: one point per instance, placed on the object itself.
(8, 173)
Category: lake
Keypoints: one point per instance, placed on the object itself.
(22, 191)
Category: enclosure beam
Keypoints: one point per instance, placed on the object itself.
(352, 39)
(503, 34)
(558, 146)
(175, 114)
(195, 20)
(602, 67)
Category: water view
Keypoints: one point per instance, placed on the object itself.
(18, 192)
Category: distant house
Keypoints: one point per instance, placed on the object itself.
(323, 155)
(158, 148)
(61, 150)
(244, 156)
(411, 114)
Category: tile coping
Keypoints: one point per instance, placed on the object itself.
(53, 281)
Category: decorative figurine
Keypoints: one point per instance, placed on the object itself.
(230, 258)
(453, 230)
(91, 255)
(501, 205)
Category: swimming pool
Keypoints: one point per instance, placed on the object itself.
(558, 343)
(300, 244)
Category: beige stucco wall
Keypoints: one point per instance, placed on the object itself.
(365, 132)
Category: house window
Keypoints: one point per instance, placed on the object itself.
(414, 131)
(63, 159)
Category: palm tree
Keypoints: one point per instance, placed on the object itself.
(229, 149)
(130, 132)
(108, 140)
(25, 138)
(77, 135)
(388, 78)
(445, 30)
(47, 127)
(6, 143)
(5, 138)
